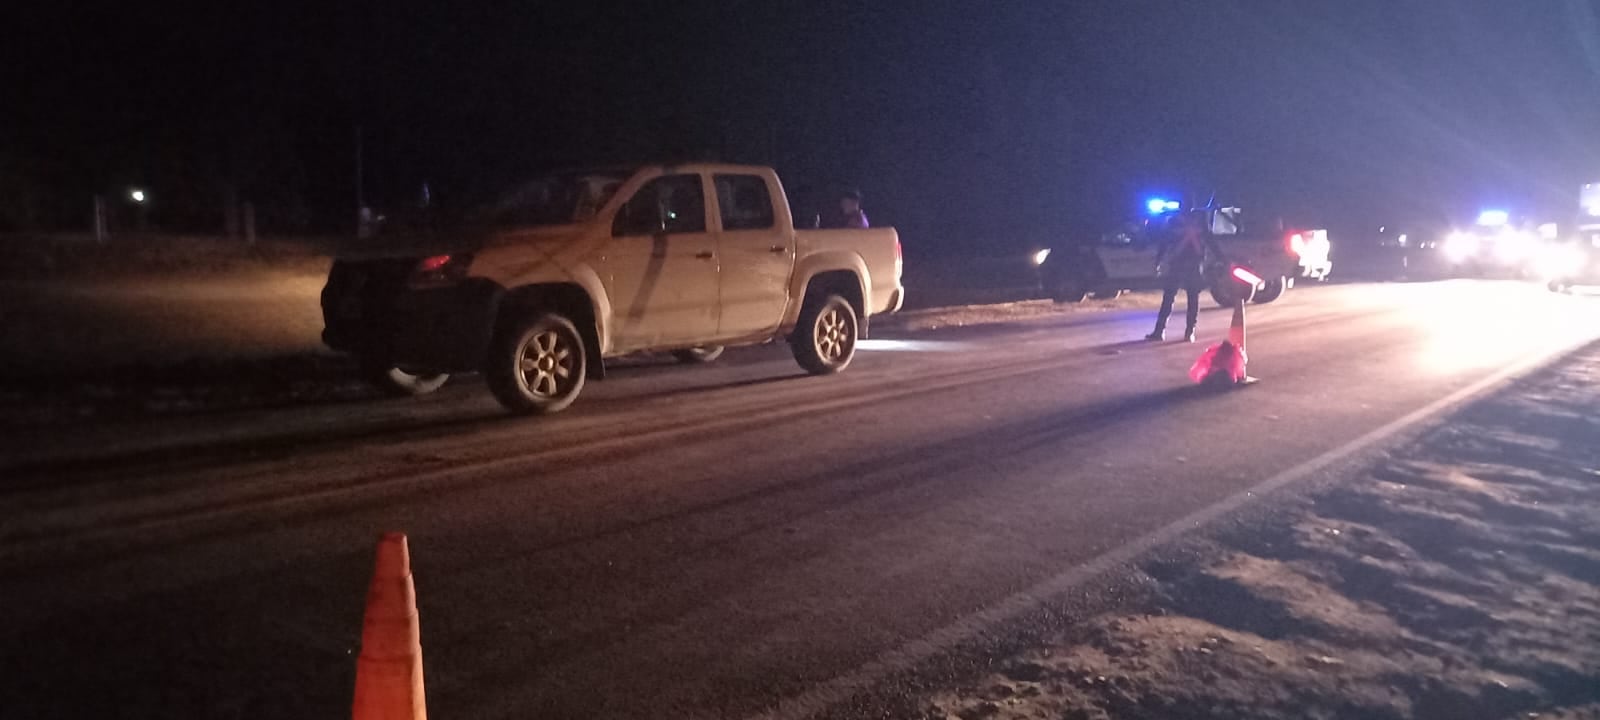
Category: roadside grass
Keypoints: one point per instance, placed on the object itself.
(38, 258)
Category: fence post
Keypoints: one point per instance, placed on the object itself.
(249, 222)
(230, 212)
(99, 219)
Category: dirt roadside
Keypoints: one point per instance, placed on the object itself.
(121, 347)
(77, 258)
(1458, 578)
(935, 318)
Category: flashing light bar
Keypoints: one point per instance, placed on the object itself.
(1156, 206)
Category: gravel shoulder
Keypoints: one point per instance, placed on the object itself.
(1458, 578)
(80, 347)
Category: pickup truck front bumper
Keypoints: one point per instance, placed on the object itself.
(368, 311)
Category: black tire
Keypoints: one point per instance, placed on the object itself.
(400, 382)
(824, 339)
(1229, 291)
(537, 365)
(1106, 294)
(1272, 290)
(698, 355)
(1069, 289)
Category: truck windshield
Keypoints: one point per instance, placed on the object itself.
(553, 200)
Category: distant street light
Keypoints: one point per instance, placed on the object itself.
(136, 195)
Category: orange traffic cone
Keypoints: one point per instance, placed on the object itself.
(389, 671)
(1223, 364)
(1236, 339)
(1236, 330)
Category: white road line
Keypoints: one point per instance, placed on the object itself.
(844, 687)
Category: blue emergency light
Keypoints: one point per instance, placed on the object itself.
(1494, 218)
(1161, 205)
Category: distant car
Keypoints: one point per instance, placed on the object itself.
(1413, 251)
(577, 267)
(1125, 260)
(1564, 264)
(1494, 246)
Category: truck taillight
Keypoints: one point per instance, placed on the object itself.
(439, 270)
(433, 264)
(1296, 244)
(899, 264)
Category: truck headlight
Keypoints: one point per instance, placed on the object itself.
(1460, 246)
(1511, 248)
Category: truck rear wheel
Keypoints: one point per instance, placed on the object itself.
(824, 339)
(537, 365)
(1272, 290)
(1228, 291)
(400, 382)
(1069, 289)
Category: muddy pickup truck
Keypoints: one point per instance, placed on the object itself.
(541, 287)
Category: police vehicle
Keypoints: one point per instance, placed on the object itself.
(1126, 259)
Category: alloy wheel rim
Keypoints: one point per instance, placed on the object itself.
(833, 335)
(547, 364)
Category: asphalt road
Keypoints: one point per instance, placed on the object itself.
(713, 541)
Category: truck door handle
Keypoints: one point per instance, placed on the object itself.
(778, 249)
(704, 255)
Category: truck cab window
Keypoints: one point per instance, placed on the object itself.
(668, 204)
(551, 200)
(744, 202)
(1225, 221)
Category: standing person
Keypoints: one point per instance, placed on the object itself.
(850, 213)
(1184, 253)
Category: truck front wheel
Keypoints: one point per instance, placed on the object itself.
(824, 340)
(1271, 290)
(698, 355)
(1229, 291)
(537, 365)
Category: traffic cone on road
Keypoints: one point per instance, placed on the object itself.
(1236, 330)
(1224, 363)
(389, 671)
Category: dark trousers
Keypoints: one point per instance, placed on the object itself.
(1190, 283)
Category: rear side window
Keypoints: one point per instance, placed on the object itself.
(744, 201)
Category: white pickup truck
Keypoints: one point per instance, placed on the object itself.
(1126, 260)
(577, 267)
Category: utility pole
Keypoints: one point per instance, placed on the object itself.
(361, 193)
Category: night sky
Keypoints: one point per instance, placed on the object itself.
(973, 127)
